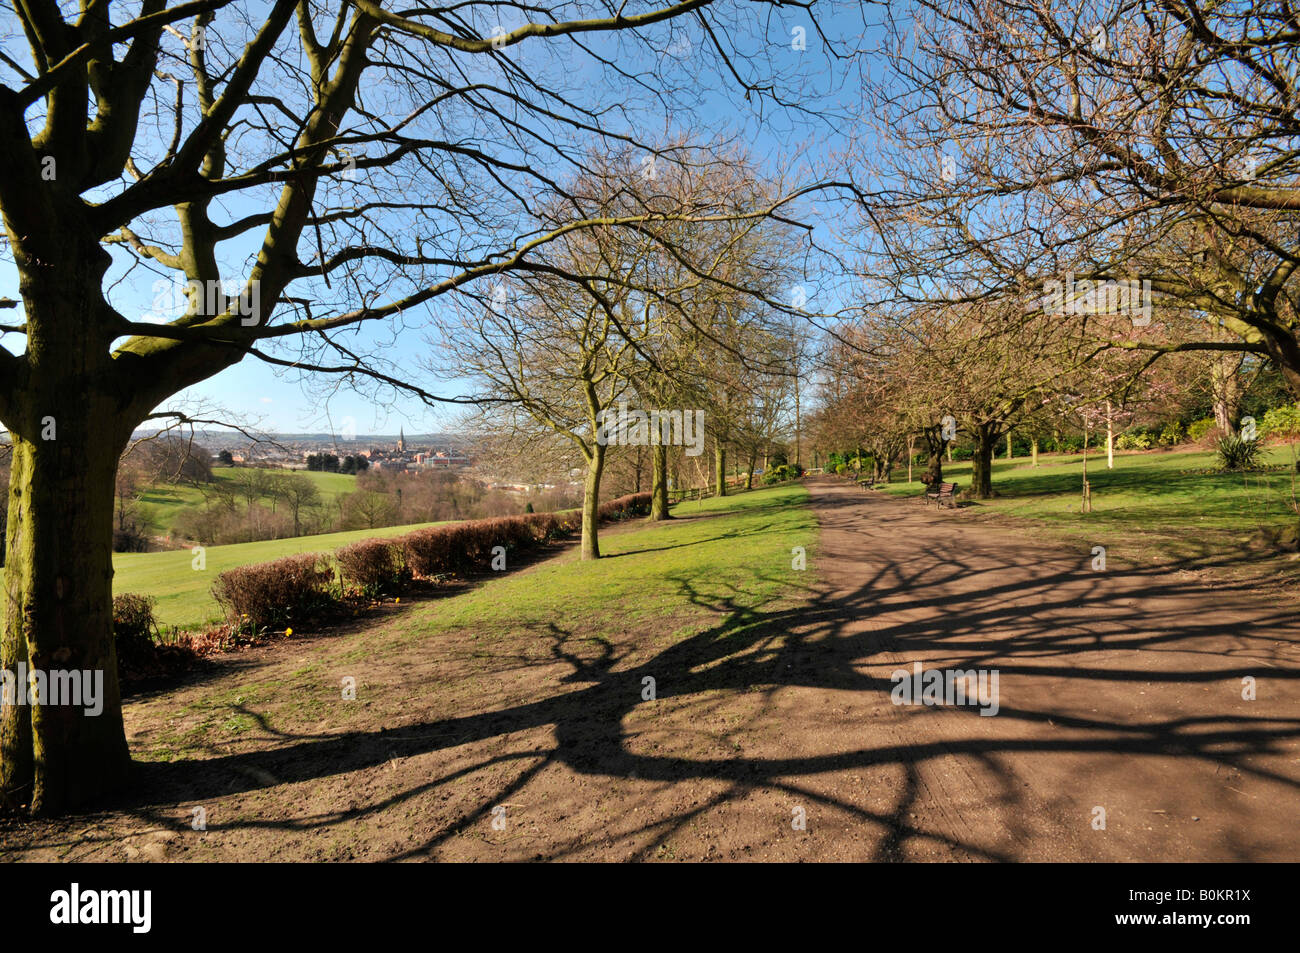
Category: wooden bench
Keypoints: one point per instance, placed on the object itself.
(867, 482)
(942, 495)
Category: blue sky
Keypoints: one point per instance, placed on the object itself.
(275, 400)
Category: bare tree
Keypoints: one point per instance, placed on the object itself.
(376, 161)
(1145, 149)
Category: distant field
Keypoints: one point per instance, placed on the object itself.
(161, 504)
(184, 593)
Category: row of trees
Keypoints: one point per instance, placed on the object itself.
(921, 382)
(683, 316)
(1033, 144)
(1062, 199)
(354, 164)
(255, 503)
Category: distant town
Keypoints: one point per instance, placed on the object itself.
(381, 452)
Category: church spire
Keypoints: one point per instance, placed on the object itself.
(401, 440)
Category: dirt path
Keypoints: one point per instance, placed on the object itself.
(1119, 689)
(773, 735)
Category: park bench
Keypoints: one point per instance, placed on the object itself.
(867, 482)
(942, 494)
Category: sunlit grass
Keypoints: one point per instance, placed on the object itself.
(184, 593)
(739, 551)
(746, 549)
(1163, 501)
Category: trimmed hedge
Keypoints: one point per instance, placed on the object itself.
(375, 565)
(625, 507)
(278, 592)
(284, 590)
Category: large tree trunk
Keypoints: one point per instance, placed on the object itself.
(933, 474)
(591, 502)
(58, 611)
(659, 485)
(69, 418)
(720, 467)
(981, 461)
(1226, 390)
(934, 445)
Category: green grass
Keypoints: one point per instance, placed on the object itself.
(760, 529)
(654, 576)
(1156, 498)
(161, 504)
(184, 594)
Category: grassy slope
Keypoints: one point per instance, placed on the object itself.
(184, 593)
(664, 581)
(748, 550)
(1153, 503)
(160, 505)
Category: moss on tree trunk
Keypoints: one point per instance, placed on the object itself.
(58, 610)
(659, 484)
(720, 467)
(591, 503)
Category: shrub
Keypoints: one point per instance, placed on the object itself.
(455, 548)
(544, 526)
(624, 507)
(467, 546)
(208, 641)
(133, 617)
(568, 521)
(1199, 428)
(1281, 422)
(1133, 440)
(1069, 443)
(275, 593)
(134, 628)
(130, 539)
(782, 472)
(376, 565)
(429, 552)
(1236, 454)
(1173, 433)
(476, 539)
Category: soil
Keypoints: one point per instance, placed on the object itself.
(1121, 731)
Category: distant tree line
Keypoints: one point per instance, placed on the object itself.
(330, 463)
(258, 503)
(145, 465)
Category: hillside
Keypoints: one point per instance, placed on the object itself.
(161, 504)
